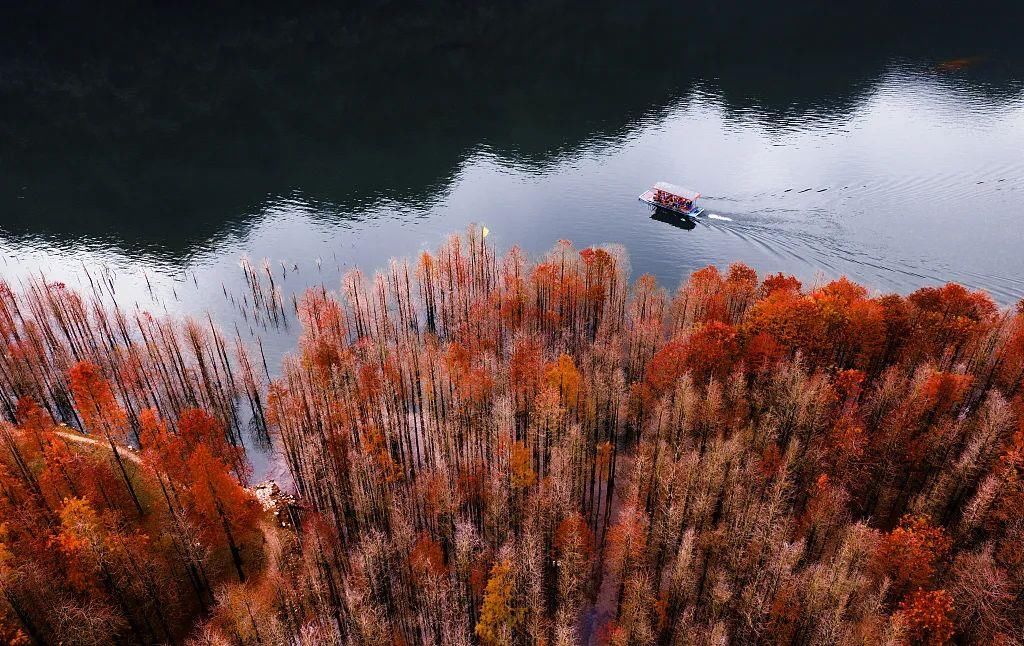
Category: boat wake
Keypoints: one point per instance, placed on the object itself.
(832, 253)
(715, 216)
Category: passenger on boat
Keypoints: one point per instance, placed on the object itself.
(672, 201)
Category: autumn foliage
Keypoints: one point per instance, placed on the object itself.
(123, 499)
(491, 450)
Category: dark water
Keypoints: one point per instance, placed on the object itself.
(165, 144)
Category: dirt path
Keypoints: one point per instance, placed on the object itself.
(125, 452)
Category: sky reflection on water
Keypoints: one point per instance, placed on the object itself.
(856, 160)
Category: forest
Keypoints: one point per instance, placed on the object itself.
(489, 449)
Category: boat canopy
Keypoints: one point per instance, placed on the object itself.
(684, 193)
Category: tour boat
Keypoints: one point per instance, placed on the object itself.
(673, 198)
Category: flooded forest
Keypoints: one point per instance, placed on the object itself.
(484, 447)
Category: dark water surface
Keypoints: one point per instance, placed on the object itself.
(884, 144)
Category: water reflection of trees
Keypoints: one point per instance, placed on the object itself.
(167, 129)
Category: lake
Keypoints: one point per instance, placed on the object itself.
(158, 149)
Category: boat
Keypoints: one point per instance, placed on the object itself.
(676, 199)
